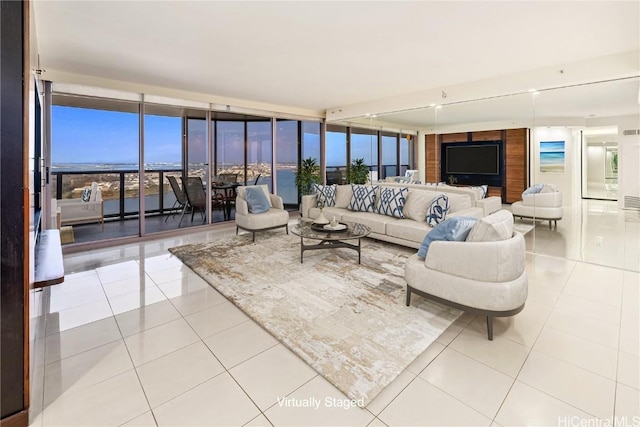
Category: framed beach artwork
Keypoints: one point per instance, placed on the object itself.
(552, 156)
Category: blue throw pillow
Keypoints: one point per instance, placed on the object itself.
(392, 201)
(534, 189)
(456, 229)
(363, 198)
(438, 210)
(326, 195)
(256, 200)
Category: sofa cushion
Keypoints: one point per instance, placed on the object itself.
(343, 196)
(326, 194)
(376, 222)
(391, 201)
(408, 229)
(453, 229)
(363, 198)
(533, 189)
(417, 204)
(438, 210)
(257, 201)
(495, 227)
(548, 188)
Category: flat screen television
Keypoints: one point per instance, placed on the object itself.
(481, 159)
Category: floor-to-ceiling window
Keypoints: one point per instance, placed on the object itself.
(389, 155)
(336, 154)
(163, 144)
(364, 145)
(311, 140)
(230, 148)
(97, 140)
(259, 152)
(287, 142)
(406, 160)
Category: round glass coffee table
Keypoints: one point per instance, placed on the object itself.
(330, 239)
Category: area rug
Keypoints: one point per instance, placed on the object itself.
(347, 321)
(66, 235)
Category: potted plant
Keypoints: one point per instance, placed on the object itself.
(358, 172)
(307, 175)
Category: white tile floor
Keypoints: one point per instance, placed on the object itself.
(134, 338)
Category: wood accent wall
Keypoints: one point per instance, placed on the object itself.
(432, 159)
(515, 164)
(515, 158)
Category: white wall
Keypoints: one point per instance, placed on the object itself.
(628, 160)
(568, 182)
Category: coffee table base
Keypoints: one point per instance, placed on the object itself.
(328, 244)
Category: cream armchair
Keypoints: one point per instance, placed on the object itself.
(546, 205)
(275, 217)
(486, 278)
(76, 211)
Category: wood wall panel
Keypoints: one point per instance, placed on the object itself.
(455, 137)
(488, 135)
(515, 151)
(515, 164)
(432, 159)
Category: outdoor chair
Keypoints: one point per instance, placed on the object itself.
(181, 198)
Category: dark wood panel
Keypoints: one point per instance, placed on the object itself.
(454, 137)
(487, 135)
(12, 216)
(432, 154)
(515, 164)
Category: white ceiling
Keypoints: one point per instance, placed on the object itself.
(316, 55)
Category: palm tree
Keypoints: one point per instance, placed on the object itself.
(307, 175)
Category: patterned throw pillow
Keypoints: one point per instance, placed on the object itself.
(86, 194)
(326, 194)
(363, 198)
(391, 201)
(483, 189)
(438, 210)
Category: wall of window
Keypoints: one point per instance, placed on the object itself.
(98, 139)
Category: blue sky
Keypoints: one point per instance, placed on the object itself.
(82, 135)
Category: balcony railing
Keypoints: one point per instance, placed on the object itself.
(120, 189)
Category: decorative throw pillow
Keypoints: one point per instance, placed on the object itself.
(417, 204)
(363, 198)
(533, 189)
(86, 194)
(257, 201)
(326, 195)
(265, 189)
(391, 201)
(495, 227)
(343, 196)
(438, 210)
(453, 229)
(482, 189)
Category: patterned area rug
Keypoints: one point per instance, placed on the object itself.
(348, 321)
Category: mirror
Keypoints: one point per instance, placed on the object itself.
(577, 118)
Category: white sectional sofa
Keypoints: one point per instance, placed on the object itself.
(406, 231)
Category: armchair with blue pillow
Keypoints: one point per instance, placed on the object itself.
(259, 210)
(475, 265)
